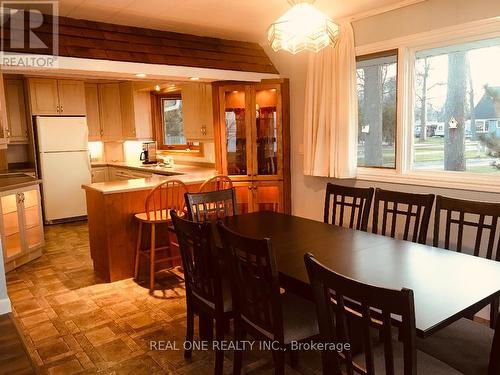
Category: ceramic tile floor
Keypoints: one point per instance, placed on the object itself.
(73, 323)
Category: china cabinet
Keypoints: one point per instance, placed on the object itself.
(253, 143)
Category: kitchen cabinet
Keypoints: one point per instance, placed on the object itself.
(254, 196)
(21, 226)
(117, 174)
(17, 123)
(110, 111)
(93, 115)
(99, 174)
(136, 112)
(253, 141)
(56, 97)
(3, 115)
(197, 111)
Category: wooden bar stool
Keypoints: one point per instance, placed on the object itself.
(168, 195)
(219, 182)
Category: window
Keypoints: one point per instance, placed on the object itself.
(169, 127)
(377, 92)
(456, 86)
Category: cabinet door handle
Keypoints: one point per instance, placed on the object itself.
(62, 109)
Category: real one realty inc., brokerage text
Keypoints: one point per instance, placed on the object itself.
(231, 345)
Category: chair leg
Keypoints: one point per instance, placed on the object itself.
(152, 260)
(206, 327)
(219, 354)
(189, 331)
(494, 306)
(279, 362)
(239, 335)
(138, 251)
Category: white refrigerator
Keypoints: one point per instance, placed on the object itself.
(64, 166)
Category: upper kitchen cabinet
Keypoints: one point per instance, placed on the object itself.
(56, 97)
(110, 111)
(93, 115)
(136, 112)
(3, 115)
(17, 129)
(197, 111)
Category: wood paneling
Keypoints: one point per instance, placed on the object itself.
(96, 40)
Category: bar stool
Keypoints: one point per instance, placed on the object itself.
(219, 182)
(168, 195)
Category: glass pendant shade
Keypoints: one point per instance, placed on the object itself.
(302, 27)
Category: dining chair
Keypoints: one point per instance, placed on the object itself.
(219, 182)
(211, 205)
(259, 308)
(341, 301)
(342, 201)
(473, 216)
(207, 292)
(470, 347)
(413, 209)
(163, 198)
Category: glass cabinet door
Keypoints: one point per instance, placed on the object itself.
(32, 218)
(11, 225)
(236, 130)
(267, 130)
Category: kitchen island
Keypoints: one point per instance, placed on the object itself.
(112, 229)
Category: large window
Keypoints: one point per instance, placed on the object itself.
(377, 92)
(457, 107)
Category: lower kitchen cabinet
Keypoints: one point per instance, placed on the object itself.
(21, 226)
(99, 174)
(259, 196)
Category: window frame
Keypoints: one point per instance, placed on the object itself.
(188, 147)
(375, 55)
(407, 47)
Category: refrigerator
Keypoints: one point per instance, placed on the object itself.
(64, 166)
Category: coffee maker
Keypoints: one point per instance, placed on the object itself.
(148, 154)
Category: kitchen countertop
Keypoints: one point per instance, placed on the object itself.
(145, 168)
(186, 173)
(16, 181)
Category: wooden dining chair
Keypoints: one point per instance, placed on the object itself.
(211, 205)
(207, 292)
(351, 202)
(413, 209)
(472, 216)
(259, 308)
(341, 301)
(470, 347)
(166, 196)
(219, 182)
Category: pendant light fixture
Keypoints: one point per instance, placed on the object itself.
(302, 27)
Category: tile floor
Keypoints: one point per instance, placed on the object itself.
(73, 323)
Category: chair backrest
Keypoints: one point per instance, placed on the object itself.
(219, 182)
(351, 202)
(340, 300)
(481, 217)
(199, 259)
(256, 290)
(414, 209)
(494, 366)
(166, 196)
(211, 205)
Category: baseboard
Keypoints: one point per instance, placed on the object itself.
(5, 306)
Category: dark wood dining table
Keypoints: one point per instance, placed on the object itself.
(446, 285)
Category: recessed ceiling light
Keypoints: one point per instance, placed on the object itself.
(157, 88)
(140, 75)
(194, 78)
(235, 91)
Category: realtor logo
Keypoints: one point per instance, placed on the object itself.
(29, 33)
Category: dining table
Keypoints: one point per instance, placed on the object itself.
(447, 285)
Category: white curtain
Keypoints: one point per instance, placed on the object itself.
(330, 123)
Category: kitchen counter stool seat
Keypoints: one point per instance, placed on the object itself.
(168, 195)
